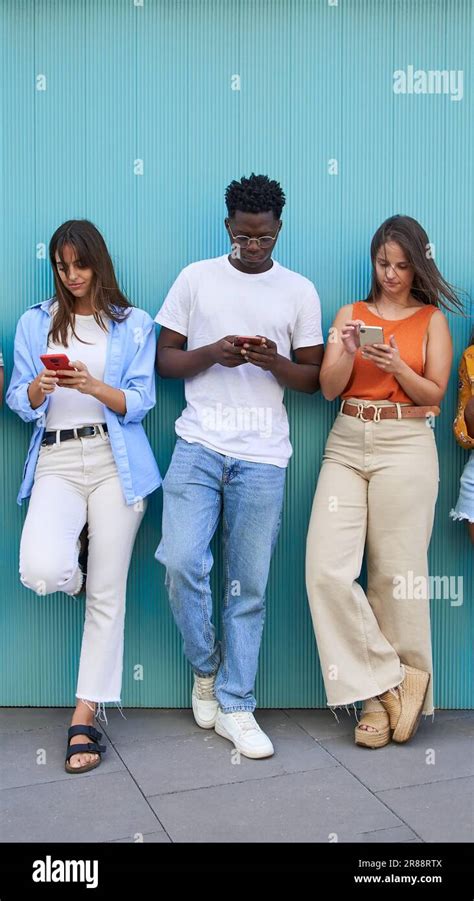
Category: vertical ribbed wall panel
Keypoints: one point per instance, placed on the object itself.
(153, 83)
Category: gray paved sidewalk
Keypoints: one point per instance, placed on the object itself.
(164, 779)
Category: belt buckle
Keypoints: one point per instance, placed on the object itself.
(94, 433)
(376, 417)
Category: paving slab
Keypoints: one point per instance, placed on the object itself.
(315, 806)
(437, 811)
(78, 809)
(438, 751)
(37, 755)
(206, 759)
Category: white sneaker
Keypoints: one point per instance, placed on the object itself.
(204, 701)
(242, 729)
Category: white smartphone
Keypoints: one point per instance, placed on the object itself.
(371, 334)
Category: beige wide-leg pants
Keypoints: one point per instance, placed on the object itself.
(376, 490)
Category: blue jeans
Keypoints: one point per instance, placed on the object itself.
(199, 485)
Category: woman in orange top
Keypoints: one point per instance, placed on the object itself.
(463, 427)
(377, 489)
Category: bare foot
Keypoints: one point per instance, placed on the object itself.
(84, 716)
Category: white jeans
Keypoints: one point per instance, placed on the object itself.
(77, 481)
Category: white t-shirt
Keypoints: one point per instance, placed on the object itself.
(67, 407)
(239, 411)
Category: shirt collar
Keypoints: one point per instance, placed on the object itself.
(42, 304)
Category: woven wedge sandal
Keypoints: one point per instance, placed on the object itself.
(380, 721)
(404, 704)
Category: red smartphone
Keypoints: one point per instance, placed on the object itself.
(56, 361)
(240, 340)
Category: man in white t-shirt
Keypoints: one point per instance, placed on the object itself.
(233, 446)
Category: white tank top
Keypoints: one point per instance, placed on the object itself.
(68, 408)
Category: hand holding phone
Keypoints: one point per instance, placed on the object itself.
(43, 385)
(371, 334)
(226, 353)
(264, 355)
(350, 335)
(240, 340)
(385, 356)
(54, 362)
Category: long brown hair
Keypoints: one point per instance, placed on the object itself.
(106, 297)
(429, 286)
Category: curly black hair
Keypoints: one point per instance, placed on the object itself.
(256, 194)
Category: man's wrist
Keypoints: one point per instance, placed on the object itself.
(279, 365)
(209, 354)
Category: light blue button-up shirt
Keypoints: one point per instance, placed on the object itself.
(130, 365)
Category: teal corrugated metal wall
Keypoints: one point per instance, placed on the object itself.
(152, 81)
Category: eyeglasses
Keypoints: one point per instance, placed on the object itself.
(244, 240)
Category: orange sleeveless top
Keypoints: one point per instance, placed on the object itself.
(369, 382)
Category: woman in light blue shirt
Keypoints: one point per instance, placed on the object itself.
(89, 459)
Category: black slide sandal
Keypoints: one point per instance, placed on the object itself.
(92, 747)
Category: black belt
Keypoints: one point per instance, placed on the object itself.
(85, 431)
